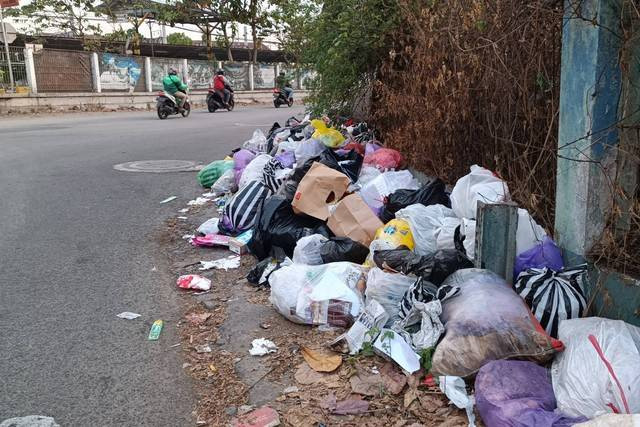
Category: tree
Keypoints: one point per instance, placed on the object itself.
(294, 21)
(258, 16)
(70, 16)
(179, 39)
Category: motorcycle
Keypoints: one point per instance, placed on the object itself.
(280, 98)
(167, 105)
(214, 102)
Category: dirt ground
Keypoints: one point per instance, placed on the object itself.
(217, 330)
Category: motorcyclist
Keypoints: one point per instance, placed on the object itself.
(222, 87)
(283, 83)
(173, 84)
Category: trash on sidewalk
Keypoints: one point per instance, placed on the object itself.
(259, 274)
(262, 417)
(321, 360)
(513, 393)
(388, 289)
(375, 191)
(241, 210)
(456, 390)
(194, 281)
(319, 188)
(338, 249)
(254, 171)
(307, 250)
(373, 318)
(30, 421)
(554, 296)
(156, 329)
(210, 240)
(544, 254)
(480, 185)
(349, 163)
(262, 346)
(328, 136)
(210, 226)
(230, 262)
(239, 244)
(609, 420)
(425, 317)
(128, 315)
(354, 219)
(209, 174)
(391, 345)
(169, 199)
(385, 159)
(432, 193)
(257, 143)
(487, 321)
(199, 201)
(599, 371)
(426, 223)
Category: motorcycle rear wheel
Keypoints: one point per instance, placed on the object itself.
(212, 108)
(162, 113)
(231, 106)
(187, 111)
(276, 104)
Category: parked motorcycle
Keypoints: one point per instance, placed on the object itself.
(167, 105)
(280, 98)
(214, 102)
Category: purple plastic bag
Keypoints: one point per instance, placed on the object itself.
(511, 393)
(240, 161)
(371, 148)
(288, 158)
(545, 254)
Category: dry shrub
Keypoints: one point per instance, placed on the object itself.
(476, 81)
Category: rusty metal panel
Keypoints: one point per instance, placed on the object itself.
(63, 71)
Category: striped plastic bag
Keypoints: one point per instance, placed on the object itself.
(241, 211)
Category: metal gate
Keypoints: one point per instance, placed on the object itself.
(63, 71)
(16, 54)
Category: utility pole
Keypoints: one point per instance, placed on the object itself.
(6, 50)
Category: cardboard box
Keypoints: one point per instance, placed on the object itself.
(354, 219)
(320, 187)
(238, 244)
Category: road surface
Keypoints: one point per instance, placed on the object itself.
(76, 249)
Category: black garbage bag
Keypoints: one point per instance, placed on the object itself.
(349, 164)
(259, 275)
(271, 135)
(290, 186)
(403, 261)
(432, 193)
(339, 249)
(277, 225)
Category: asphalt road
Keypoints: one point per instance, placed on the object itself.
(76, 249)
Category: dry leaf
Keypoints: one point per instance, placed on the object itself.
(321, 361)
(410, 396)
(197, 318)
(368, 385)
(394, 380)
(431, 403)
(350, 407)
(305, 376)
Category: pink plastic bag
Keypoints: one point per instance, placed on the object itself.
(385, 159)
(194, 281)
(210, 240)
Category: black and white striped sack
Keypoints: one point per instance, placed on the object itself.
(424, 291)
(554, 296)
(272, 179)
(240, 212)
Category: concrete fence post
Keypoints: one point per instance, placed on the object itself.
(95, 71)
(219, 65)
(185, 71)
(496, 226)
(31, 70)
(277, 69)
(251, 79)
(147, 74)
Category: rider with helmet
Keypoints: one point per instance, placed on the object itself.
(222, 87)
(284, 84)
(173, 85)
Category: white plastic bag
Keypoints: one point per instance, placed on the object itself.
(612, 420)
(287, 145)
(426, 223)
(426, 317)
(388, 289)
(318, 294)
(529, 233)
(225, 184)
(307, 149)
(374, 192)
(599, 369)
(210, 226)
(254, 170)
(307, 250)
(446, 235)
(479, 185)
(257, 143)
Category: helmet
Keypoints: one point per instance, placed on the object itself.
(220, 72)
(172, 71)
(282, 73)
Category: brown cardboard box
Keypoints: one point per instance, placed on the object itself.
(354, 219)
(319, 188)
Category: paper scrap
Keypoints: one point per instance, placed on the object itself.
(394, 346)
(262, 346)
(198, 202)
(128, 315)
(169, 199)
(225, 264)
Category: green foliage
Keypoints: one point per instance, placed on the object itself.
(293, 21)
(347, 42)
(426, 354)
(367, 345)
(179, 39)
(69, 16)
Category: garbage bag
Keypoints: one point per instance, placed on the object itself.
(388, 289)
(612, 420)
(529, 233)
(424, 291)
(287, 159)
(308, 149)
(214, 170)
(367, 174)
(397, 233)
(259, 274)
(338, 249)
(554, 296)
(289, 187)
(349, 164)
(210, 226)
(487, 321)
(421, 327)
(277, 225)
(272, 174)
(479, 185)
(446, 235)
(385, 159)
(240, 212)
(241, 159)
(432, 193)
(320, 188)
(254, 170)
(351, 217)
(225, 184)
(386, 183)
(318, 294)
(513, 393)
(330, 137)
(426, 222)
(257, 143)
(544, 254)
(599, 372)
(371, 148)
(353, 145)
(307, 250)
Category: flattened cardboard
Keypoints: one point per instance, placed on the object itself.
(354, 219)
(320, 187)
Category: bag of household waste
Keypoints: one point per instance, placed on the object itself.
(240, 212)
(374, 192)
(613, 420)
(544, 254)
(514, 393)
(330, 137)
(599, 372)
(277, 225)
(446, 234)
(320, 187)
(349, 164)
(426, 222)
(308, 248)
(318, 294)
(254, 171)
(393, 235)
(432, 193)
(480, 185)
(338, 249)
(385, 159)
(214, 170)
(487, 321)
(210, 226)
(225, 184)
(274, 174)
(259, 274)
(354, 219)
(421, 327)
(308, 149)
(529, 232)
(388, 289)
(554, 296)
(424, 291)
(290, 186)
(241, 159)
(257, 143)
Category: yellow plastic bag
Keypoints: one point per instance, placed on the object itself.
(328, 136)
(392, 235)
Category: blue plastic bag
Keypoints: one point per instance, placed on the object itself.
(545, 254)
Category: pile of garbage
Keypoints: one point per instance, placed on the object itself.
(345, 236)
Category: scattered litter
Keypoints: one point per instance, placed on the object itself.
(374, 317)
(169, 199)
(194, 281)
(262, 346)
(204, 348)
(263, 417)
(321, 361)
(393, 346)
(156, 328)
(265, 325)
(456, 390)
(210, 226)
(225, 264)
(128, 315)
(200, 201)
(213, 368)
(210, 240)
(30, 421)
(185, 210)
(188, 236)
(198, 318)
(183, 218)
(291, 389)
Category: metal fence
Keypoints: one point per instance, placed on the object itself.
(18, 66)
(63, 71)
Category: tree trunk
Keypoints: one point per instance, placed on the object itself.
(254, 36)
(210, 54)
(228, 43)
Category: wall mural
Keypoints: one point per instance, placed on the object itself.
(160, 69)
(201, 74)
(119, 72)
(264, 76)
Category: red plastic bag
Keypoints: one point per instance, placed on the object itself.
(194, 281)
(385, 159)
